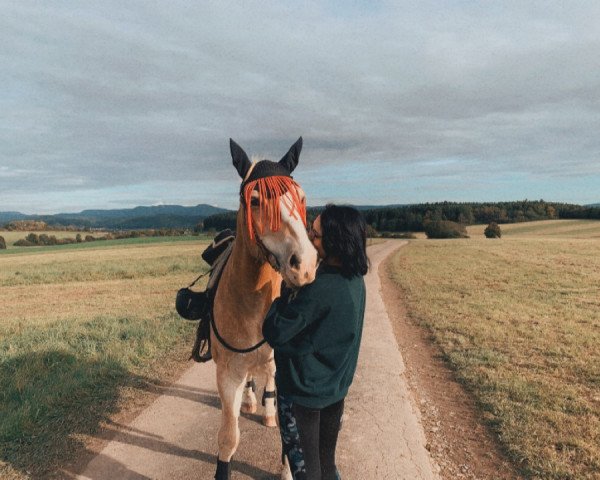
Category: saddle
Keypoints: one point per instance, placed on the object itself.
(199, 305)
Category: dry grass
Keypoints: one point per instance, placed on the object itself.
(560, 229)
(519, 320)
(79, 329)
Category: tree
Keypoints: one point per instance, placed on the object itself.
(492, 230)
(445, 229)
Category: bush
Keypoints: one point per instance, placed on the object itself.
(2, 243)
(32, 238)
(371, 232)
(24, 243)
(44, 239)
(445, 229)
(492, 230)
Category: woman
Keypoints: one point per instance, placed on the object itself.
(315, 333)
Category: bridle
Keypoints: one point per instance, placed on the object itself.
(267, 254)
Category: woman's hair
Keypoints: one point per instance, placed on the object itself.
(344, 233)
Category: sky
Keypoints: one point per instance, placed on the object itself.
(115, 104)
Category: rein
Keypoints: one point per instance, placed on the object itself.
(229, 347)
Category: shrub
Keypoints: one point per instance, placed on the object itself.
(24, 243)
(492, 230)
(2, 243)
(371, 232)
(445, 229)
(89, 238)
(33, 238)
(78, 238)
(44, 239)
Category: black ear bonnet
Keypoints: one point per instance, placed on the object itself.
(266, 168)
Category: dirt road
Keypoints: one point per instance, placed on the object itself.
(382, 436)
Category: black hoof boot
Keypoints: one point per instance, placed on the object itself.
(223, 470)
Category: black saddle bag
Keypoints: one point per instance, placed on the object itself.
(191, 305)
(198, 305)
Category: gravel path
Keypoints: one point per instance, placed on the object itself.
(382, 436)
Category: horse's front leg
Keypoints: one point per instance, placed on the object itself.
(269, 396)
(231, 386)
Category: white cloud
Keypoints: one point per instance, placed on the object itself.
(106, 96)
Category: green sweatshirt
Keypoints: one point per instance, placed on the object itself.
(316, 338)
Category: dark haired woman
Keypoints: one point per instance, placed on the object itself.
(315, 333)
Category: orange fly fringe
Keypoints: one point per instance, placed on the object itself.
(270, 190)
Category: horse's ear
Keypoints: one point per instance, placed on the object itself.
(241, 162)
(290, 159)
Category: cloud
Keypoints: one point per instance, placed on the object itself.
(102, 98)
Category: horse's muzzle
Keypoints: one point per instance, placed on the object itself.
(299, 272)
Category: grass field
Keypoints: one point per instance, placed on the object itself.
(11, 236)
(518, 318)
(80, 331)
(560, 229)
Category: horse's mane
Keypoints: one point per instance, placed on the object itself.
(270, 190)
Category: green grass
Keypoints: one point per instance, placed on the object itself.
(79, 331)
(99, 244)
(519, 320)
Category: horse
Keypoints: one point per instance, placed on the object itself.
(271, 244)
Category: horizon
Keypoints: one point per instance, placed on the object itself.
(115, 106)
(308, 206)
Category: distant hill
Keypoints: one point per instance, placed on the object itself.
(159, 216)
(201, 210)
(10, 216)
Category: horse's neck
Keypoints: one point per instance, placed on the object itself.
(250, 279)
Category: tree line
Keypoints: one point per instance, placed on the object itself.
(414, 218)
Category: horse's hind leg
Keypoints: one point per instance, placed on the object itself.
(249, 397)
(230, 390)
(268, 401)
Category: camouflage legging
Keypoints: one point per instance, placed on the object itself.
(309, 438)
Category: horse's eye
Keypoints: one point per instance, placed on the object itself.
(254, 202)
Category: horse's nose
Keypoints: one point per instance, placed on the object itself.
(300, 270)
(294, 261)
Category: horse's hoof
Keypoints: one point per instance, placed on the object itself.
(248, 407)
(269, 421)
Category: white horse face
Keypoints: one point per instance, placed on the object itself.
(293, 251)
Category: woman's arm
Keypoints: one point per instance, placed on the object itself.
(285, 320)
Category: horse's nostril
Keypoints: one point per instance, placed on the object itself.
(294, 262)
